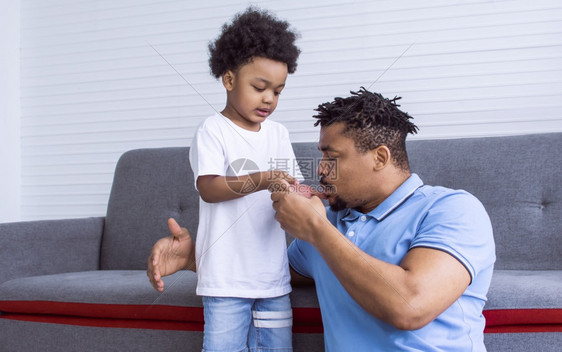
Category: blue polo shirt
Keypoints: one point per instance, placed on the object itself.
(415, 215)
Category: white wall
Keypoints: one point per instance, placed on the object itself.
(93, 87)
(9, 111)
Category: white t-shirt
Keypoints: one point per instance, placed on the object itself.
(241, 249)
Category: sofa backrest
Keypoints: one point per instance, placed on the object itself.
(517, 179)
(149, 186)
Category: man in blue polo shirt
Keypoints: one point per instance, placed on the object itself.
(398, 265)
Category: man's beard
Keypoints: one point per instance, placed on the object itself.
(338, 204)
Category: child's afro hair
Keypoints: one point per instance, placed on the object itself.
(253, 33)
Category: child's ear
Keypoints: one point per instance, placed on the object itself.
(228, 80)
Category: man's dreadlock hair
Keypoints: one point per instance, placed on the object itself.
(371, 120)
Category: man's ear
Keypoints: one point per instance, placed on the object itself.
(228, 80)
(381, 157)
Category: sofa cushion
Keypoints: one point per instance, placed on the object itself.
(122, 298)
(120, 295)
(519, 301)
(524, 301)
(525, 289)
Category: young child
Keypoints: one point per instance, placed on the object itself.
(241, 257)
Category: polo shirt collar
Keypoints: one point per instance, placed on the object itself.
(399, 196)
(351, 215)
(403, 192)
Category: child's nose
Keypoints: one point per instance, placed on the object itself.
(268, 97)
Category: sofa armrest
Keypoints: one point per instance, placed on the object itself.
(49, 246)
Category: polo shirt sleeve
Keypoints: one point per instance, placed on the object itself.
(458, 224)
(297, 258)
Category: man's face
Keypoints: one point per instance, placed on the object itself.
(346, 173)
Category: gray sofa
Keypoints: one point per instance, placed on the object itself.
(80, 285)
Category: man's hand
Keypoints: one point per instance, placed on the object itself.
(300, 216)
(170, 254)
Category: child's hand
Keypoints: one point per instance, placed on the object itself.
(277, 180)
(296, 188)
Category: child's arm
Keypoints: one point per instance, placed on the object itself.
(215, 188)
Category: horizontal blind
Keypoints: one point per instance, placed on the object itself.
(102, 77)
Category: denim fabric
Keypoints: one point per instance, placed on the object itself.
(247, 324)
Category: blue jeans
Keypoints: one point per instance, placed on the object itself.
(247, 324)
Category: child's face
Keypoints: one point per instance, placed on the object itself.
(253, 91)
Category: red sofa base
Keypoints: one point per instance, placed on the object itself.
(161, 317)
